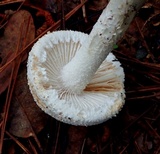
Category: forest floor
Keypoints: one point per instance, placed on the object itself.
(24, 128)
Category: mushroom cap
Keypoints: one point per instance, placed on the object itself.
(102, 98)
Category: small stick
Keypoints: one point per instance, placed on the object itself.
(152, 57)
(10, 2)
(62, 16)
(84, 12)
(12, 82)
(51, 28)
(18, 143)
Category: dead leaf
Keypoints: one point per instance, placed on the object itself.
(19, 32)
(26, 116)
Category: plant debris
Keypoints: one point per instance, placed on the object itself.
(19, 31)
(25, 129)
(26, 118)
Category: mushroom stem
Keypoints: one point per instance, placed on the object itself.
(111, 25)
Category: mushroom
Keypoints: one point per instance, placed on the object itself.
(73, 76)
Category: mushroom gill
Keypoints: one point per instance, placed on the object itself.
(102, 98)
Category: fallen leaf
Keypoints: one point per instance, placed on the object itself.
(19, 32)
(26, 117)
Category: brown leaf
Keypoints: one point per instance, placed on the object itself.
(26, 116)
(19, 32)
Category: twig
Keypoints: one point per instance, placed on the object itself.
(32, 147)
(20, 5)
(18, 143)
(10, 2)
(145, 89)
(84, 12)
(138, 118)
(12, 82)
(3, 25)
(83, 145)
(57, 137)
(145, 44)
(4, 16)
(124, 149)
(143, 97)
(137, 147)
(51, 28)
(149, 19)
(137, 62)
(152, 129)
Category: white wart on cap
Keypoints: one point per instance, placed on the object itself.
(100, 100)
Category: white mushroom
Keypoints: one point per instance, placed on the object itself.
(69, 75)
